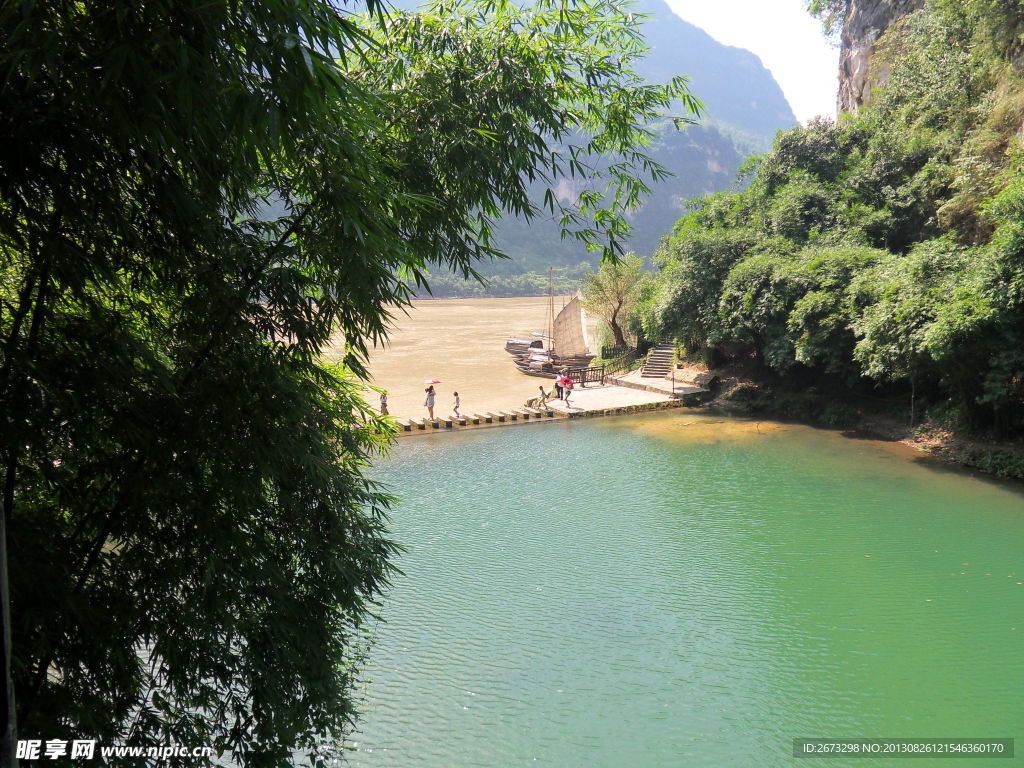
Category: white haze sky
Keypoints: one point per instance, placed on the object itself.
(787, 39)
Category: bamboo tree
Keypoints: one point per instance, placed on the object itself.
(196, 197)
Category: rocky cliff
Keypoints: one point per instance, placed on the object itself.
(866, 21)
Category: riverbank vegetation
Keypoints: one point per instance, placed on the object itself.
(195, 198)
(561, 280)
(883, 254)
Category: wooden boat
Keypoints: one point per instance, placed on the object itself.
(548, 368)
(523, 346)
(568, 345)
(544, 370)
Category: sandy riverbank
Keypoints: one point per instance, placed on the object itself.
(462, 343)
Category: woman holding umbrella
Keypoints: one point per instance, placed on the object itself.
(429, 403)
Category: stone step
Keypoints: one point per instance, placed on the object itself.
(659, 361)
(452, 422)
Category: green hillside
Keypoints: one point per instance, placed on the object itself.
(884, 254)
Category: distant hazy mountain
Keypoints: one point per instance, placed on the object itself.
(703, 159)
(745, 108)
(732, 82)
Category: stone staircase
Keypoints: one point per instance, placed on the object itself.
(659, 361)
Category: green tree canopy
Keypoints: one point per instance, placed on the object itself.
(195, 196)
(882, 252)
(831, 12)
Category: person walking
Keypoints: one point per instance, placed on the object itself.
(383, 403)
(567, 385)
(429, 403)
(458, 402)
(543, 402)
(558, 386)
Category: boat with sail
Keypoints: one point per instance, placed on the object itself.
(567, 345)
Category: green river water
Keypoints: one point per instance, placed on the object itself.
(689, 590)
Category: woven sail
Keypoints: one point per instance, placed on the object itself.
(570, 332)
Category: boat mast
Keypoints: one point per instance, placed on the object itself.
(551, 311)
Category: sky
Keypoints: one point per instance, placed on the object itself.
(785, 37)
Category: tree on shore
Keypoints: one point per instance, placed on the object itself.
(611, 292)
(195, 196)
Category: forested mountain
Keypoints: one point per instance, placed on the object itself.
(745, 109)
(884, 253)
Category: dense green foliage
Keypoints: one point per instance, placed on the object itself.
(886, 251)
(194, 198)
